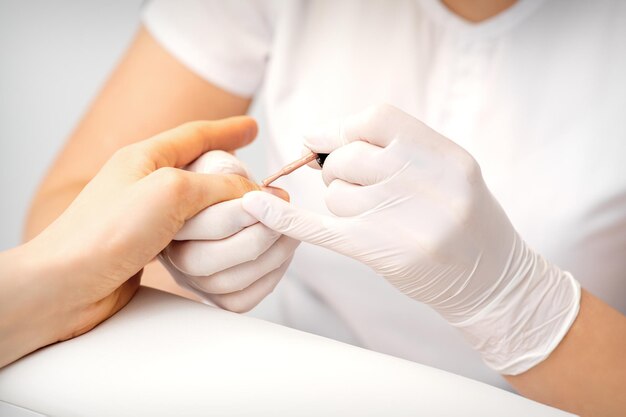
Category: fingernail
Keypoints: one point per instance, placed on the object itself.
(278, 192)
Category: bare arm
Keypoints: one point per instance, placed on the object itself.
(586, 373)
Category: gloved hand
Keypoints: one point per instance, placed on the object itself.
(413, 206)
(223, 254)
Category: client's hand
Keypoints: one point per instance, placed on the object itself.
(225, 255)
(87, 264)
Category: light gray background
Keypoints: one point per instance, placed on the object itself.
(54, 56)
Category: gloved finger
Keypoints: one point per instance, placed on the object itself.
(219, 162)
(216, 222)
(242, 276)
(378, 125)
(206, 257)
(300, 224)
(344, 199)
(246, 299)
(222, 220)
(359, 163)
(325, 137)
(381, 124)
(180, 278)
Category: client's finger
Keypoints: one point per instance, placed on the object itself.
(183, 194)
(181, 145)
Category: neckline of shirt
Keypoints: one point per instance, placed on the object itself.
(488, 28)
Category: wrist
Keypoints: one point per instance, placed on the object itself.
(29, 307)
(528, 318)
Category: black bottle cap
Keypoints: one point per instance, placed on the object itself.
(321, 157)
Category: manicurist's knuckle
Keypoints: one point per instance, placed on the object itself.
(284, 222)
(288, 223)
(220, 283)
(256, 249)
(379, 111)
(236, 304)
(469, 167)
(258, 243)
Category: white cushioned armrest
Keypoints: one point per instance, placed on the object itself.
(165, 355)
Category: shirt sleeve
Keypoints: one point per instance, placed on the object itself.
(227, 42)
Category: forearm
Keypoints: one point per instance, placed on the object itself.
(586, 373)
(24, 314)
(48, 204)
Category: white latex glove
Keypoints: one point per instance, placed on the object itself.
(223, 254)
(413, 206)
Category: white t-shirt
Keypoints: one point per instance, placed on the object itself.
(537, 94)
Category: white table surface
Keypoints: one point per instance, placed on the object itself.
(163, 355)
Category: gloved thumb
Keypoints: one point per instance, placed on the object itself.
(292, 221)
(219, 162)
